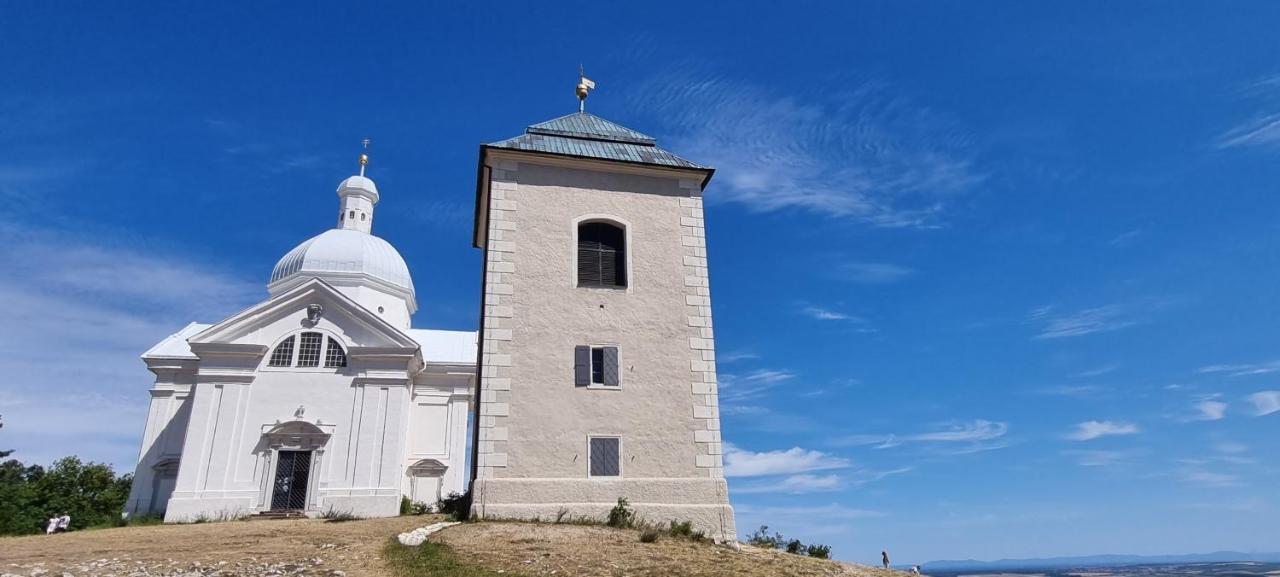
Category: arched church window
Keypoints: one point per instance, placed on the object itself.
(309, 350)
(283, 355)
(334, 356)
(602, 255)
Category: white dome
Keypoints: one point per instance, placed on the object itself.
(358, 183)
(344, 253)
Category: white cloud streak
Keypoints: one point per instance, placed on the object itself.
(1210, 410)
(743, 463)
(1244, 370)
(87, 311)
(971, 437)
(1084, 322)
(1265, 402)
(1089, 430)
(866, 155)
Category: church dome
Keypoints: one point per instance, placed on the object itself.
(345, 253)
(358, 183)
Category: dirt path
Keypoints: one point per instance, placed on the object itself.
(588, 551)
(309, 547)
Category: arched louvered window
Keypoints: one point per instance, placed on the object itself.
(334, 356)
(602, 255)
(283, 355)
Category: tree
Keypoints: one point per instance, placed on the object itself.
(4, 454)
(20, 505)
(90, 493)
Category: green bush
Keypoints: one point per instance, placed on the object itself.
(648, 536)
(621, 515)
(90, 493)
(406, 506)
(795, 547)
(761, 538)
(684, 529)
(820, 551)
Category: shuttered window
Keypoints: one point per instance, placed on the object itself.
(596, 366)
(602, 255)
(606, 458)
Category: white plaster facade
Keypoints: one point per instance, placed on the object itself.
(389, 421)
(533, 424)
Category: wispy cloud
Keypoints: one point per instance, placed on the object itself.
(865, 154)
(1083, 322)
(1073, 391)
(743, 463)
(1262, 128)
(87, 310)
(1090, 430)
(805, 483)
(1099, 458)
(871, 272)
(1265, 402)
(1242, 370)
(735, 356)
(1098, 371)
(1211, 479)
(736, 388)
(969, 437)
(1210, 410)
(823, 314)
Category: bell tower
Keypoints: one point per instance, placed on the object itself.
(597, 361)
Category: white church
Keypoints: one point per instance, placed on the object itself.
(591, 377)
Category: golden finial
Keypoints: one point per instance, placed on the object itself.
(364, 157)
(584, 85)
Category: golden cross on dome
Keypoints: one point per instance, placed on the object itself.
(364, 156)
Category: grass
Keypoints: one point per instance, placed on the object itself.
(430, 560)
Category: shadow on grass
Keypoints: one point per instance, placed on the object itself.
(431, 560)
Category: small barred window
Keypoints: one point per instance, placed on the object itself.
(283, 355)
(334, 356)
(309, 350)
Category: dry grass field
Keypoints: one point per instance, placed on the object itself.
(364, 548)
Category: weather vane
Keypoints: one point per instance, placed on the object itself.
(364, 156)
(584, 85)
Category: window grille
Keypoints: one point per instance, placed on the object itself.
(605, 458)
(309, 350)
(334, 356)
(597, 365)
(283, 355)
(602, 255)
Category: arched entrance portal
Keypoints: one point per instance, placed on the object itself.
(294, 450)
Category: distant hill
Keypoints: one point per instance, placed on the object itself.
(1099, 561)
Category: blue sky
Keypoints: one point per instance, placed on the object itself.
(989, 280)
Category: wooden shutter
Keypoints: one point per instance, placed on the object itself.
(605, 457)
(612, 373)
(582, 365)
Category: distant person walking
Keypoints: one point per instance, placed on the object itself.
(53, 525)
(64, 523)
(884, 558)
(915, 569)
